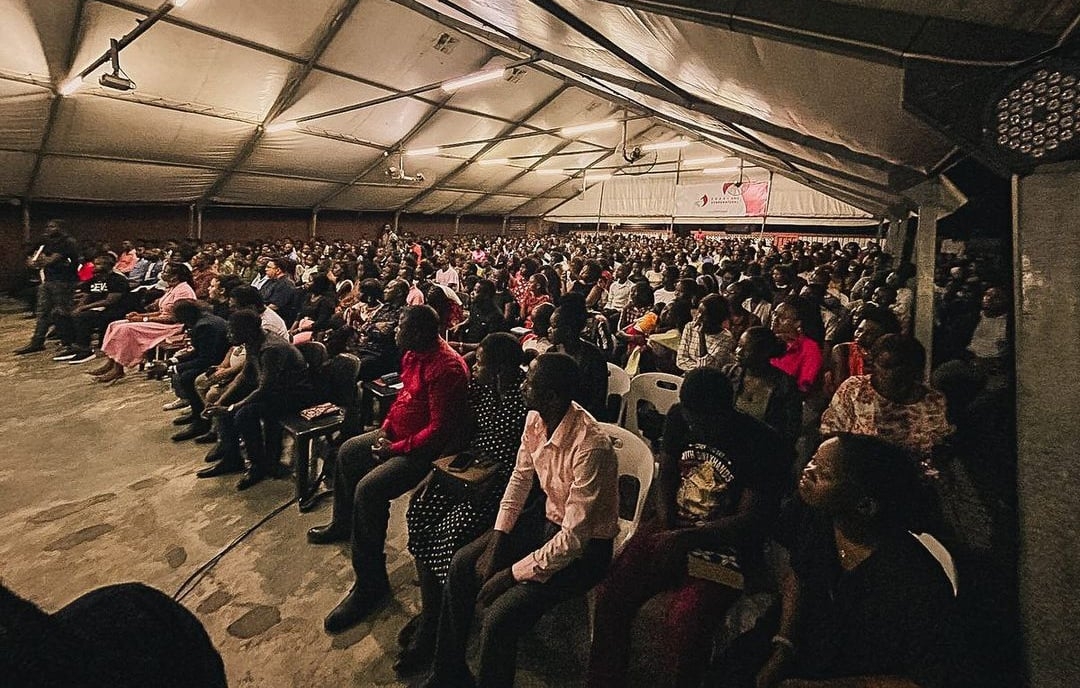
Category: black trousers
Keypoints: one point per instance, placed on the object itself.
(183, 383)
(258, 423)
(76, 330)
(514, 612)
(363, 490)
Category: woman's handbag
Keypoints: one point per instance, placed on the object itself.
(466, 475)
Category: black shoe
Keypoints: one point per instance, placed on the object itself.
(65, 354)
(207, 438)
(186, 419)
(462, 680)
(83, 357)
(405, 635)
(415, 659)
(278, 471)
(330, 533)
(356, 606)
(191, 432)
(29, 349)
(222, 467)
(251, 478)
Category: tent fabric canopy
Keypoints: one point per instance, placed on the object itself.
(813, 97)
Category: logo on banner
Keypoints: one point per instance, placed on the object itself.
(723, 199)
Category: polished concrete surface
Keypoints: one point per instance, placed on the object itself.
(92, 492)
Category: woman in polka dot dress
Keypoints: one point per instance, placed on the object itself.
(440, 523)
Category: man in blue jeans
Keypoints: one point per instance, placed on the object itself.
(424, 422)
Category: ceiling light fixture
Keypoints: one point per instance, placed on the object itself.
(287, 125)
(550, 172)
(177, 3)
(434, 150)
(720, 170)
(696, 162)
(473, 79)
(666, 145)
(70, 86)
(494, 161)
(597, 177)
(584, 128)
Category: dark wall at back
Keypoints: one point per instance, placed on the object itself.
(11, 247)
(113, 224)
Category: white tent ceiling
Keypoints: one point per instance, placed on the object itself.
(810, 90)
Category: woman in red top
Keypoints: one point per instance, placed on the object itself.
(850, 358)
(536, 293)
(797, 323)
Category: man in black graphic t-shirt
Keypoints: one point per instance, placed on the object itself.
(98, 301)
(721, 476)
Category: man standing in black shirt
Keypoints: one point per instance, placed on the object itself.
(58, 261)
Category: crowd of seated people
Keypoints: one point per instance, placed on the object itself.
(784, 349)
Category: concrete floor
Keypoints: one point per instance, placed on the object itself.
(92, 492)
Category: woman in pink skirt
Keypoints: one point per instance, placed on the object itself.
(127, 341)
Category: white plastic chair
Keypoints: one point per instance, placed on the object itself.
(660, 389)
(636, 460)
(618, 384)
(934, 546)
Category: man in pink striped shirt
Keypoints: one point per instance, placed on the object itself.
(528, 564)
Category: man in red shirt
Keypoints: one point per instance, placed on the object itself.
(384, 464)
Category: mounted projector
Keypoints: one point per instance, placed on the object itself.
(116, 82)
(397, 172)
(398, 175)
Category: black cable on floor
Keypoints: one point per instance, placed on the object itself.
(193, 580)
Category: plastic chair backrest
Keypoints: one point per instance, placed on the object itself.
(659, 389)
(314, 354)
(635, 460)
(618, 384)
(934, 546)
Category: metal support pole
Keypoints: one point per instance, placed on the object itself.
(314, 223)
(26, 220)
(198, 222)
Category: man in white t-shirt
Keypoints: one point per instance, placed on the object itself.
(447, 276)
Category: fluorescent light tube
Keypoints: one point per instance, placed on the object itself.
(473, 79)
(70, 86)
(666, 145)
(695, 162)
(583, 128)
(287, 125)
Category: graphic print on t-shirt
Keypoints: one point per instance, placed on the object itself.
(705, 489)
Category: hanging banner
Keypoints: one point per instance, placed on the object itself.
(722, 199)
